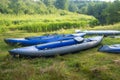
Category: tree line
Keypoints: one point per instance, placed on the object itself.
(105, 12)
(32, 6)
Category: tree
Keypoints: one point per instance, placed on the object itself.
(48, 2)
(17, 6)
(4, 4)
(112, 12)
(97, 10)
(73, 7)
(40, 8)
(62, 4)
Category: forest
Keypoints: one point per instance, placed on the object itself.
(99, 9)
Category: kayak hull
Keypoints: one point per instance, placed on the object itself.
(40, 40)
(33, 51)
(110, 48)
(101, 32)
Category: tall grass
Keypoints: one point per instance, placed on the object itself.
(36, 23)
(36, 27)
(108, 27)
(84, 65)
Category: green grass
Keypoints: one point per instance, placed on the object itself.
(108, 27)
(45, 23)
(84, 65)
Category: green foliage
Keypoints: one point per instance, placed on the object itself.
(32, 6)
(51, 26)
(4, 4)
(100, 10)
(111, 27)
(48, 2)
(25, 6)
(62, 4)
(84, 65)
(113, 10)
(3, 29)
(39, 23)
(96, 9)
(73, 7)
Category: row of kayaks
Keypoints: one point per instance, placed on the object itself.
(28, 41)
(51, 45)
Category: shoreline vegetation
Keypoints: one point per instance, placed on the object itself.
(44, 23)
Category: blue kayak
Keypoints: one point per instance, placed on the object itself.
(58, 47)
(40, 39)
(110, 48)
(99, 32)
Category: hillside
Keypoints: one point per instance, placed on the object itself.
(43, 23)
(84, 65)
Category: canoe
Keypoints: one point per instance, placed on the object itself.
(110, 48)
(40, 39)
(100, 32)
(59, 47)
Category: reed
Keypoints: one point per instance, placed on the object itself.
(43, 23)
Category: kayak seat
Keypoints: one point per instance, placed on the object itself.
(79, 39)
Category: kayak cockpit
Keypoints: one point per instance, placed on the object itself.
(61, 43)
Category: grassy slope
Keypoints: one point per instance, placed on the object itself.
(52, 22)
(85, 65)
